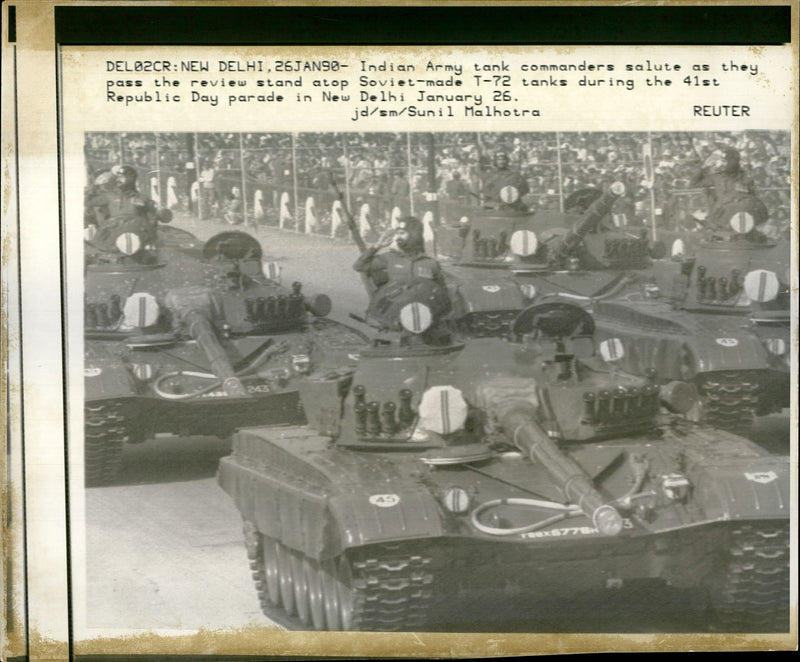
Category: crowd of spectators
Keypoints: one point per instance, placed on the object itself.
(388, 169)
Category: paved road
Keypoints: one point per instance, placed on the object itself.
(165, 547)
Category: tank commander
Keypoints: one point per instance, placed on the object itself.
(503, 188)
(116, 200)
(404, 261)
(730, 190)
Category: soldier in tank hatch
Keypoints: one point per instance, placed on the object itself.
(730, 189)
(504, 188)
(116, 201)
(404, 261)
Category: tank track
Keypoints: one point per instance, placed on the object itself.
(729, 401)
(388, 592)
(106, 431)
(752, 593)
(392, 592)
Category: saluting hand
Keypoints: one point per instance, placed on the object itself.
(386, 238)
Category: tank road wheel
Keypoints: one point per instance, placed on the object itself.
(330, 594)
(269, 556)
(750, 590)
(284, 558)
(300, 586)
(316, 596)
(105, 433)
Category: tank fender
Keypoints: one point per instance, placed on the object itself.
(387, 514)
(320, 525)
(287, 512)
(105, 376)
(729, 351)
(743, 488)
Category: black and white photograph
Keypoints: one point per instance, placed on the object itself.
(331, 345)
(557, 374)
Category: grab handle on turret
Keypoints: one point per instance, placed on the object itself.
(518, 421)
(193, 307)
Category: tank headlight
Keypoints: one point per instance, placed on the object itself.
(128, 243)
(675, 486)
(776, 346)
(678, 248)
(320, 305)
(416, 317)
(617, 188)
(524, 243)
(143, 371)
(509, 194)
(742, 222)
(456, 500)
(140, 310)
(271, 270)
(612, 350)
(464, 220)
(442, 410)
(528, 290)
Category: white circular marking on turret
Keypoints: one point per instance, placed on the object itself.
(140, 310)
(416, 317)
(128, 243)
(742, 222)
(524, 243)
(612, 349)
(272, 270)
(509, 194)
(761, 285)
(442, 410)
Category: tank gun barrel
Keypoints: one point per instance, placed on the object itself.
(590, 218)
(528, 436)
(193, 307)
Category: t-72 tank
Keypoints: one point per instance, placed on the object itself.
(187, 337)
(716, 313)
(433, 476)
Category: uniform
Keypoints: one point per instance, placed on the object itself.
(731, 191)
(395, 266)
(113, 208)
